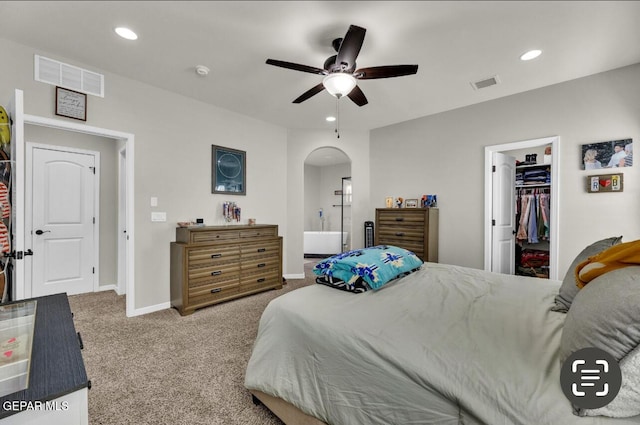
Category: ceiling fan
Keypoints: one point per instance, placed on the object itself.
(340, 73)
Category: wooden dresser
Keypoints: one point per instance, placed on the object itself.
(213, 264)
(415, 229)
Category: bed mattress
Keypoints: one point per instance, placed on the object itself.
(444, 345)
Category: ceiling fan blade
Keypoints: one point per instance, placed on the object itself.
(388, 71)
(297, 67)
(350, 47)
(358, 96)
(311, 92)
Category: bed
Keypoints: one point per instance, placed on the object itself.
(442, 345)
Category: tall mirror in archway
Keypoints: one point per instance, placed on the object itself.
(327, 205)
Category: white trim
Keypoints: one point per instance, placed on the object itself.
(109, 287)
(28, 208)
(128, 138)
(554, 223)
(150, 309)
(294, 276)
(122, 221)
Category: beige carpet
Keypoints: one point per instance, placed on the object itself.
(162, 368)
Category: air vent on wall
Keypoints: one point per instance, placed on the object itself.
(487, 82)
(68, 76)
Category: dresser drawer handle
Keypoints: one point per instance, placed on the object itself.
(399, 218)
(216, 255)
(213, 291)
(262, 265)
(216, 273)
(399, 233)
(262, 279)
(262, 249)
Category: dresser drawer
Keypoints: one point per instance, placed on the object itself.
(259, 264)
(255, 282)
(407, 233)
(207, 295)
(216, 273)
(401, 218)
(207, 256)
(214, 235)
(267, 248)
(258, 232)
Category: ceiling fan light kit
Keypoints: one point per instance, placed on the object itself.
(339, 84)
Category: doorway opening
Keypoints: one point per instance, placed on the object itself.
(501, 228)
(125, 141)
(327, 203)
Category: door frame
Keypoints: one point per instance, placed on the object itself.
(122, 220)
(554, 220)
(116, 136)
(28, 209)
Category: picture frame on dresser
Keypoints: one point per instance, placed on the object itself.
(411, 203)
(228, 171)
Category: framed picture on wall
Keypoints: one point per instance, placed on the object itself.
(71, 104)
(228, 171)
(611, 154)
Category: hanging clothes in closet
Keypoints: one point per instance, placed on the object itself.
(532, 215)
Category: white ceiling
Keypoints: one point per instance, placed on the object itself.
(453, 42)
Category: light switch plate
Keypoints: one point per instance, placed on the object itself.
(158, 216)
(154, 201)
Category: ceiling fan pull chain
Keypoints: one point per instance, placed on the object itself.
(337, 117)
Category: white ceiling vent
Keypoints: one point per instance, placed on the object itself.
(487, 82)
(68, 76)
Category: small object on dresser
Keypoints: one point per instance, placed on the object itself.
(252, 222)
(185, 223)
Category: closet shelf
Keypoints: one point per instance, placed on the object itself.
(521, 186)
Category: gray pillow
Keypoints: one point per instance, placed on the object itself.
(605, 315)
(568, 289)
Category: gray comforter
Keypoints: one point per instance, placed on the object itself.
(444, 345)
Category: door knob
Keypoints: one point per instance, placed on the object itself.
(39, 232)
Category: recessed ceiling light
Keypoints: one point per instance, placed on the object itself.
(531, 54)
(126, 33)
(331, 119)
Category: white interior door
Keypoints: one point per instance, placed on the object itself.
(503, 214)
(63, 211)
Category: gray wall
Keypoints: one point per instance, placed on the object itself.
(173, 138)
(444, 154)
(108, 189)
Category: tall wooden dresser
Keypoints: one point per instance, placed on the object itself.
(213, 264)
(415, 229)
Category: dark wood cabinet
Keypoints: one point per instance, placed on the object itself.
(213, 264)
(415, 229)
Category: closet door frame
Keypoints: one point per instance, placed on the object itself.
(554, 221)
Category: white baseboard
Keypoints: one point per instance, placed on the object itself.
(294, 276)
(150, 309)
(108, 288)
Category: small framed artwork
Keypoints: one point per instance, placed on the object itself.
(388, 202)
(411, 203)
(605, 183)
(611, 154)
(71, 104)
(228, 171)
